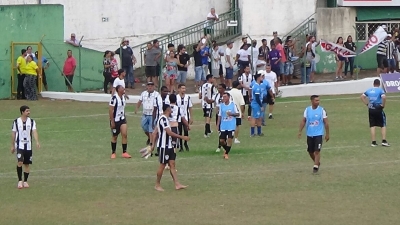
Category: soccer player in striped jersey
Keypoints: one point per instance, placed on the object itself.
(217, 100)
(118, 122)
(245, 81)
(227, 114)
(186, 105)
(176, 118)
(166, 149)
(161, 100)
(22, 130)
(207, 90)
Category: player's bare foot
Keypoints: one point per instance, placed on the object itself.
(158, 188)
(180, 187)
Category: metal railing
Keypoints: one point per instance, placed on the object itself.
(192, 34)
(365, 29)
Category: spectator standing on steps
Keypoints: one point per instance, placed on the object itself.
(211, 18)
(128, 60)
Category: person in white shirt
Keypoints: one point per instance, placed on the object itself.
(238, 99)
(217, 68)
(253, 52)
(120, 80)
(185, 103)
(243, 58)
(73, 41)
(229, 62)
(245, 81)
(206, 93)
(271, 77)
(147, 99)
(211, 18)
(261, 64)
(314, 44)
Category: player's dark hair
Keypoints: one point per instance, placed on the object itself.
(118, 87)
(314, 97)
(171, 45)
(235, 84)
(172, 98)
(155, 41)
(23, 108)
(120, 71)
(257, 76)
(163, 88)
(181, 85)
(223, 86)
(227, 93)
(377, 82)
(165, 107)
(247, 66)
(209, 76)
(28, 47)
(23, 51)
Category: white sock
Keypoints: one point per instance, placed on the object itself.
(270, 114)
(316, 166)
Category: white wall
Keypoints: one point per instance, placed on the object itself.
(261, 17)
(142, 20)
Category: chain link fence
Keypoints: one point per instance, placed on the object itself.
(366, 29)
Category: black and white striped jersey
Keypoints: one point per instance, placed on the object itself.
(164, 140)
(246, 80)
(119, 107)
(207, 90)
(185, 103)
(176, 114)
(23, 133)
(158, 105)
(382, 48)
(217, 100)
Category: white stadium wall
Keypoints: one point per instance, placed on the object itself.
(141, 20)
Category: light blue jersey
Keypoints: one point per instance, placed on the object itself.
(228, 123)
(264, 85)
(374, 96)
(256, 89)
(44, 60)
(315, 125)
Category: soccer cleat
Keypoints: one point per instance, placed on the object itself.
(261, 135)
(263, 124)
(374, 144)
(385, 144)
(206, 136)
(26, 185)
(218, 150)
(270, 117)
(186, 147)
(237, 141)
(113, 156)
(252, 135)
(126, 155)
(181, 150)
(315, 169)
(20, 185)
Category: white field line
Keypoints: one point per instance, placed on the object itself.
(299, 148)
(332, 167)
(196, 108)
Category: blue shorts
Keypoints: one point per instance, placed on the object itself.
(392, 63)
(147, 123)
(256, 111)
(229, 73)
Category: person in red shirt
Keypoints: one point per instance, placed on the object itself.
(69, 70)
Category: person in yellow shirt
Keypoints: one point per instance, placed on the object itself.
(32, 71)
(21, 64)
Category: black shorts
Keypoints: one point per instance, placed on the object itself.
(382, 61)
(151, 71)
(223, 135)
(166, 154)
(277, 71)
(314, 143)
(117, 130)
(246, 99)
(24, 156)
(377, 118)
(70, 78)
(207, 113)
(112, 80)
(269, 100)
(221, 71)
(175, 141)
(158, 70)
(238, 121)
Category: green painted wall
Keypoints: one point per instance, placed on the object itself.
(28, 23)
(327, 62)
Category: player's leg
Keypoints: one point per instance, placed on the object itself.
(124, 134)
(222, 142)
(238, 123)
(207, 115)
(270, 107)
(228, 146)
(317, 152)
(264, 104)
(255, 115)
(153, 139)
(114, 138)
(161, 168)
(383, 130)
(20, 162)
(310, 148)
(180, 129)
(27, 161)
(216, 124)
(372, 123)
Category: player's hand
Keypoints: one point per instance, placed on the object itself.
(326, 137)
(299, 135)
(188, 128)
(190, 121)
(38, 145)
(186, 138)
(12, 149)
(112, 125)
(382, 106)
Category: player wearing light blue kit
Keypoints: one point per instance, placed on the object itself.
(316, 121)
(375, 99)
(226, 123)
(259, 88)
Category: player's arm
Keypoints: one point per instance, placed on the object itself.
(172, 134)
(326, 124)
(364, 99)
(191, 115)
(301, 127)
(36, 136)
(111, 115)
(139, 103)
(383, 100)
(271, 93)
(13, 135)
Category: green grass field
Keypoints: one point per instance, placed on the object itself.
(267, 180)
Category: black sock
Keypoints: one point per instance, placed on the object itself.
(19, 173)
(113, 147)
(384, 141)
(124, 146)
(207, 129)
(26, 175)
(227, 149)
